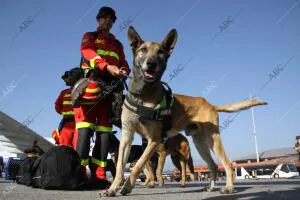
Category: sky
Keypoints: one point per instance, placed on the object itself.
(226, 51)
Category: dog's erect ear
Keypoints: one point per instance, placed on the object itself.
(134, 39)
(170, 40)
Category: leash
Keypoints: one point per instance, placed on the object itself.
(124, 83)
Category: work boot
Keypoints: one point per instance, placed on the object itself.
(98, 177)
(100, 184)
(100, 173)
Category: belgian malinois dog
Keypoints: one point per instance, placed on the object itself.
(179, 149)
(194, 114)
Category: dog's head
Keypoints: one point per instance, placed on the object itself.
(72, 76)
(150, 58)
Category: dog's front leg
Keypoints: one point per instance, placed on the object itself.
(124, 151)
(150, 149)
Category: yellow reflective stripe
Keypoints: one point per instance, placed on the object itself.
(94, 90)
(84, 162)
(68, 113)
(103, 129)
(67, 102)
(99, 162)
(67, 95)
(32, 155)
(85, 67)
(108, 53)
(92, 61)
(84, 125)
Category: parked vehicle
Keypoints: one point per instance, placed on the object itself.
(267, 171)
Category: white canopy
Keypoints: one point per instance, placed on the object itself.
(15, 137)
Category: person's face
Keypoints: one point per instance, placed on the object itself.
(68, 81)
(106, 22)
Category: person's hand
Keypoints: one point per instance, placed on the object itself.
(115, 71)
(124, 72)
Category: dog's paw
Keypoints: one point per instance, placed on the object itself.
(107, 193)
(146, 183)
(127, 188)
(227, 190)
(149, 184)
(210, 189)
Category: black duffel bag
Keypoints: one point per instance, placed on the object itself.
(59, 168)
(24, 174)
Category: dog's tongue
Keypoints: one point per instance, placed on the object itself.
(148, 75)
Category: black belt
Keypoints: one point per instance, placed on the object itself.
(68, 119)
(64, 120)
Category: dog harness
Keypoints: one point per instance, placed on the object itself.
(161, 112)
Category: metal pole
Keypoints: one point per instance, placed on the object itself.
(254, 133)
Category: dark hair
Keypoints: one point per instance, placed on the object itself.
(105, 11)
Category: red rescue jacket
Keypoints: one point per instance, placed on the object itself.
(99, 51)
(63, 104)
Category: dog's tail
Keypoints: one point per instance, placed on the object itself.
(240, 106)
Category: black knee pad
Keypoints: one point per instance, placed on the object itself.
(102, 145)
(83, 142)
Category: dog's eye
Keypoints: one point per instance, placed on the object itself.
(143, 50)
(160, 52)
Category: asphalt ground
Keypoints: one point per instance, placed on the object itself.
(251, 189)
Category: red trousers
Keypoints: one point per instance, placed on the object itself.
(67, 134)
(94, 116)
(90, 119)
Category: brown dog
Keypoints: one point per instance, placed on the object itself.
(179, 149)
(195, 114)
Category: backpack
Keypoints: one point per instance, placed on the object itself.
(24, 173)
(59, 168)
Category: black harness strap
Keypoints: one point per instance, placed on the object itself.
(144, 112)
(160, 114)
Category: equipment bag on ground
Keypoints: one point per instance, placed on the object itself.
(11, 168)
(24, 174)
(59, 168)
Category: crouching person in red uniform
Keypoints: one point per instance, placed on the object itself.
(103, 61)
(64, 134)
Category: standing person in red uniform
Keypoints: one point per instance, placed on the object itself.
(103, 59)
(64, 134)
